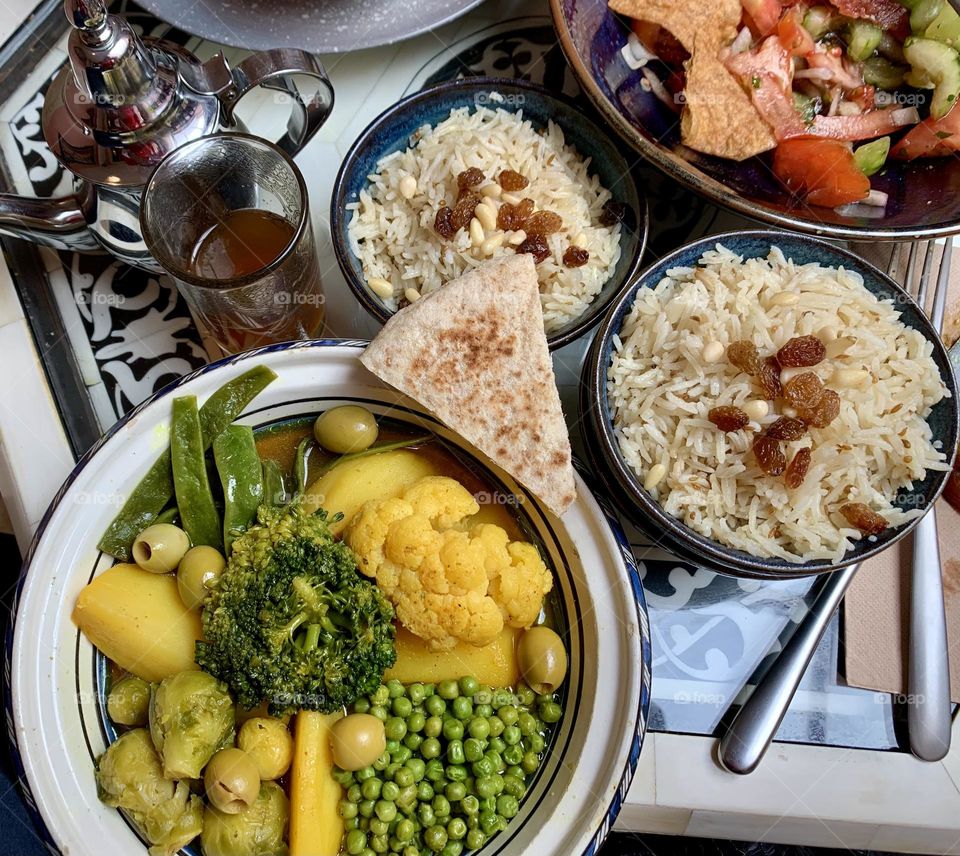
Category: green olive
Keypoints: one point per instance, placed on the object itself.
(159, 548)
(129, 701)
(542, 659)
(198, 568)
(344, 429)
(268, 743)
(231, 780)
(357, 740)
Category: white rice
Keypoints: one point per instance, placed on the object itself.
(394, 237)
(661, 390)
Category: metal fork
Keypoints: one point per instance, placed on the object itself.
(755, 725)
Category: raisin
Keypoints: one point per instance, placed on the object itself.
(574, 257)
(823, 412)
(803, 391)
(744, 356)
(728, 418)
(786, 428)
(797, 469)
(511, 180)
(470, 178)
(543, 223)
(511, 218)
(802, 351)
(616, 212)
(536, 245)
(443, 223)
(769, 378)
(769, 455)
(463, 210)
(863, 518)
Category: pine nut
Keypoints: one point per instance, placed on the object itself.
(476, 232)
(828, 334)
(654, 477)
(511, 198)
(380, 286)
(486, 215)
(849, 378)
(712, 352)
(839, 346)
(494, 241)
(789, 411)
(756, 409)
(517, 238)
(412, 295)
(491, 191)
(785, 298)
(791, 372)
(408, 187)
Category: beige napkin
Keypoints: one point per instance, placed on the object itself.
(876, 609)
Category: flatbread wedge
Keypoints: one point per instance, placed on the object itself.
(474, 353)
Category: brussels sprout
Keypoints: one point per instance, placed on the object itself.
(257, 831)
(129, 777)
(191, 717)
(268, 742)
(129, 701)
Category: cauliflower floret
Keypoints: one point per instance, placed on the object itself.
(448, 584)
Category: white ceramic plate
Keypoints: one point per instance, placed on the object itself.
(56, 708)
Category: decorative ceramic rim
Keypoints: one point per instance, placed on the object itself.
(338, 200)
(647, 513)
(620, 539)
(678, 169)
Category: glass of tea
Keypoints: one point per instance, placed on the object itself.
(227, 217)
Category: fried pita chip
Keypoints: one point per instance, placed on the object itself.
(718, 116)
(474, 353)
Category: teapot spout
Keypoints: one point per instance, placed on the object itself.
(55, 222)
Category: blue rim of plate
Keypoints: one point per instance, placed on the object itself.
(643, 706)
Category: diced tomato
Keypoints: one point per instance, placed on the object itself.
(660, 41)
(887, 14)
(822, 171)
(794, 38)
(930, 138)
(763, 15)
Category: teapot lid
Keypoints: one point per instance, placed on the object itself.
(120, 105)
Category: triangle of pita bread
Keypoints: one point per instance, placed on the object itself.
(474, 353)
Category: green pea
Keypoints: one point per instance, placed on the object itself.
(441, 806)
(457, 829)
(413, 741)
(457, 773)
(433, 727)
(410, 850)
(382, 762)
(435, 705)
(391, 770)
(364, 773)
(525, 695)
(530, 763)
(354, 794)
(502, 698)
(455, 752)
(434, 770)
(452, 848)
(483, 710)
(417, 767)
(425, 791)
(379, 711)
(488, 804)
(489, 822)
(401, 755)
(462, 708)
(405, 830)
(478, 727)
(381, 695)
(361, 705)
(484, 695)
(356, 841)
(366, 807)
(371, 789)
(496, 744)
(473, 749)
(435, 838)
(416, 722)
(402, 706)
(482, 768)
(496, 726)
(469, 685)
(380, 844)
(455, 791)
(511, 734)
(347, 809)
(386, 811)
(535, 743)
(394, 688)
(470, 804)
(509, 714)
(550, 711)
(486, 786)
(513, 754)
(390, 790)
(395, 728)
(475, 839)
(351, 823)
(344, 778)
(507, 806)
(403, 777)
(528, 724)
(379, 827)
(448, 689)
(453, 729)
(514, 786)
(426, 815)
(430, 748)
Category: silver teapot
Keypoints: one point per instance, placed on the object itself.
(121, 104)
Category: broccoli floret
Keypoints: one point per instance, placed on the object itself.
(291, 621)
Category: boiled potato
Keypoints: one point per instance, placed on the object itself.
(494, 664)
(349, 485)
(137, 619)
(316, 827)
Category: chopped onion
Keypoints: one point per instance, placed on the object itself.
(849, 108)
(658, 89)
(873, 206)
(813, 74)
(877, 198)
(635, 53)
(905, 116)
(742, 42)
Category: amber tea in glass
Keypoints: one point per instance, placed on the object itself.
(228, 217)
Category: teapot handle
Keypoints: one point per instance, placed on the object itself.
(272, 69)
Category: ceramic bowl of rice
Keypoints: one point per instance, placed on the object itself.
(476, 169)
(769, 405)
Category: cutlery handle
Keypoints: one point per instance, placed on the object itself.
(928, 683)
(755, 725)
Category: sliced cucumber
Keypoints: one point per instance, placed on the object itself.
(924, 14)
(863, 38)
(821, 20)
(805, 106)
(940, 64)
(882, 73)
(945, 27)
(871, 156)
